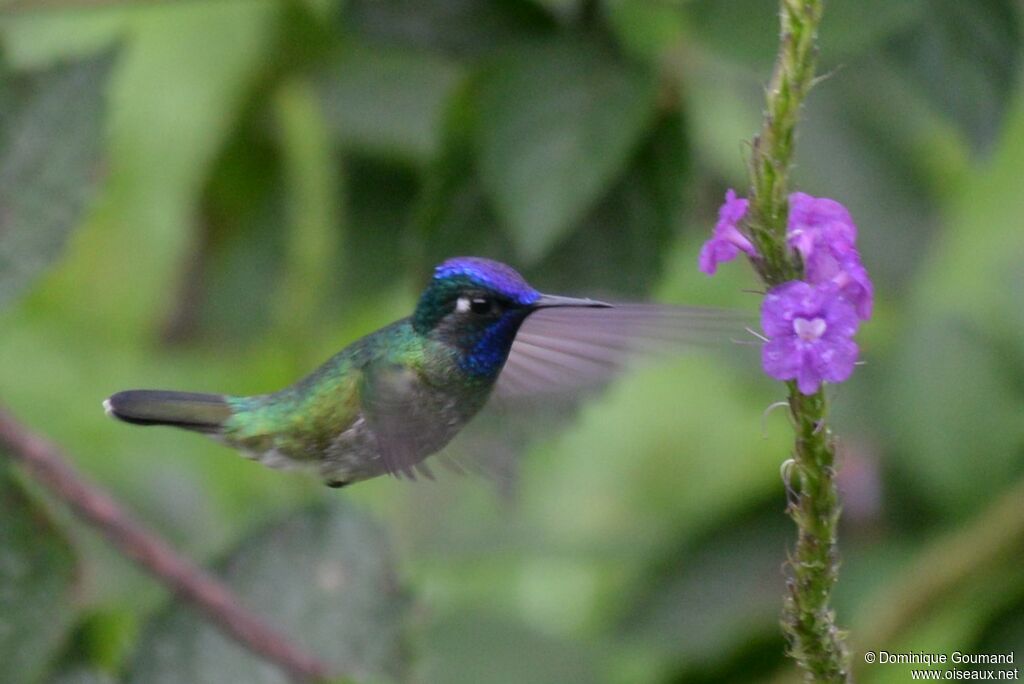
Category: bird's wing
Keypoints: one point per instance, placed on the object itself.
(560, 351)
(401, 417)
(561, 356)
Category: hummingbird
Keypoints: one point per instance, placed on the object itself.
(389, 400)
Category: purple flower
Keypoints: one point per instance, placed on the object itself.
(854, 283)
(823, 232)
(810, 330)
(727, 241)
(810, 323)
(818, 221)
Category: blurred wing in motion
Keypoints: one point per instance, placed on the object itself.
(406, 429)
(561, 356)
(561, 351)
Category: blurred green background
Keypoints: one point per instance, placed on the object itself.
(216, 195)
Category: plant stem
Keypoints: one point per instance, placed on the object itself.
(815, 642)
(45, 463)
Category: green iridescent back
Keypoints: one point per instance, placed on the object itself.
(303, 422)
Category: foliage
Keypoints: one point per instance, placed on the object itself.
(278, 179)
(49, 163)
(342, 600)
(37, 573)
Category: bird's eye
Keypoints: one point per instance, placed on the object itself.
(481, 306)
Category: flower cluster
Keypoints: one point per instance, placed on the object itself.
(809, 323)
(727, 241)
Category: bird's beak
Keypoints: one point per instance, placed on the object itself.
(551, 301)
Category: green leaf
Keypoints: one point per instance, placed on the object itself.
(956, 388)
(51, 134)
(387, 102)
(178, 91)
(323, 577)
(618, 245)
(557, 125)
(37, 575)
(621, 244)
(951, 375)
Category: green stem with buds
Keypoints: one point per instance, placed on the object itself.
(772, 155)
(815, 642)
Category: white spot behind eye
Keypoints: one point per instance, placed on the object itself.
(462, 304)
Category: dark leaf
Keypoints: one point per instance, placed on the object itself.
(324, 577)
(37, 574)
(965, 57)
(380, 198)
(51, 139)
(557, 124)
(458, 27)
(619, 246)
(387, 102)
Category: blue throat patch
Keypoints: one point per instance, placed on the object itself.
(487, 356)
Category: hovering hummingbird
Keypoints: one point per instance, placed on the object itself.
(391, 399)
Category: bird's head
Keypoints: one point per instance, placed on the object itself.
(476, 306)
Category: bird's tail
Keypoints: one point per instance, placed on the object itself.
(199, 412)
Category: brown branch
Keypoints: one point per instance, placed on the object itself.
(46, 464)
